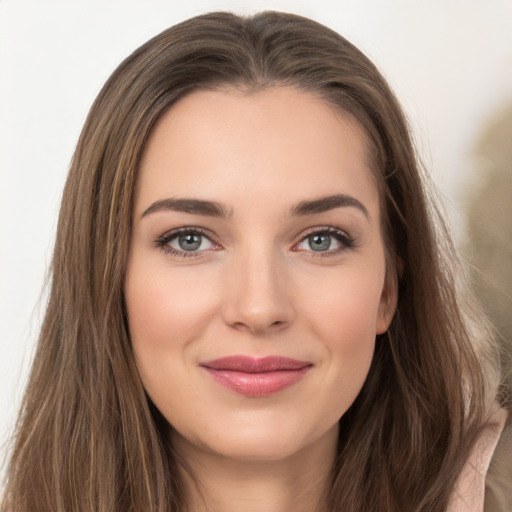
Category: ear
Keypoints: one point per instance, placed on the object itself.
(388, 301)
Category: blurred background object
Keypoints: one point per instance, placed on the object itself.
(489, 231)
(488, 248)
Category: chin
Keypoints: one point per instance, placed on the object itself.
(269, 441)
(263, 448)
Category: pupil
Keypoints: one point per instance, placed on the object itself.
(190, 242)
(319, 242)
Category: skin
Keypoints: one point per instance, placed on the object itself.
(256, 287)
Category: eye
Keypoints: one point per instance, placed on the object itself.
(185, 242)
(190, 242)
(320, 242)
(328, 240)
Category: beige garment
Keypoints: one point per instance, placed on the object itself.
(469, 495)
(498, 483)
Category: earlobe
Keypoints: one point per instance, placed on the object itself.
(388, 302)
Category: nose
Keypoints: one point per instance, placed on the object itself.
(257, 295)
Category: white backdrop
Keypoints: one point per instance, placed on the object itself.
(450, 62)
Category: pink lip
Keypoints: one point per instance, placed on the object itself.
(256, 377)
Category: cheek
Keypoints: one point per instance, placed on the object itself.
(166, 309)
(166, 314)
(345, 308)
(343, 316)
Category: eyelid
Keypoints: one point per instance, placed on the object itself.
(346, 241)
(162, 242)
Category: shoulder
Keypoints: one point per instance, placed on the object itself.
(498, 484)
(480, 485)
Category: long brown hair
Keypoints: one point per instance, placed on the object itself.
(88, 438)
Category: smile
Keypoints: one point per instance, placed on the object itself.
(256, 377)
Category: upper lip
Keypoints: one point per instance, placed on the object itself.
(248, 364)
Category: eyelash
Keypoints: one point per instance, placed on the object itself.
(347, 242)
(163, 241)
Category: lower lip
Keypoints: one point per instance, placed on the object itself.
(258, 384)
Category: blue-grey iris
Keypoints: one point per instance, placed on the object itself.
(189, 242)
(319, 242)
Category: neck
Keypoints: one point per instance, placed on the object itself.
(296, 483)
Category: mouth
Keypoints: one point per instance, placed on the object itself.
(256, 377)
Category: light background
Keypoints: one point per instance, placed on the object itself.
(450, 63)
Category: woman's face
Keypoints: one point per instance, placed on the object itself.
(256, 282)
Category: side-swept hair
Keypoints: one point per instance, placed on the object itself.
(89, 439)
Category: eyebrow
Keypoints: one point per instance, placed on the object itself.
(327, 203)
(215, 209)
(194, 206)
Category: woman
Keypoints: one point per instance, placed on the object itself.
(253, 304)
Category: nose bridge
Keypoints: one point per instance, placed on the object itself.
(257, 297)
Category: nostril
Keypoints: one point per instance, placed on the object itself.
(258, 302)
(277, 326)
(259, 328)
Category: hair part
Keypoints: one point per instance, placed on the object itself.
(88, 437)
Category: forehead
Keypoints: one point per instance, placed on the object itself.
(229, 143)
